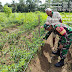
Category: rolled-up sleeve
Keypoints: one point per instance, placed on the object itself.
(48, 34)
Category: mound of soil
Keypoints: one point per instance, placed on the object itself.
(44, 61)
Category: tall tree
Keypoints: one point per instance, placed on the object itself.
(22, 1)
(21, 6)
(1, 7)
(33, 4)
(14, 7)
(47, 3)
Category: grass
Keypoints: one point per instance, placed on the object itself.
(16, 45)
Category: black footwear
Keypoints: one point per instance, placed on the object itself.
(57, 52)
(60, 64)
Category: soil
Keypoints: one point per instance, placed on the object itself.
(44, 60)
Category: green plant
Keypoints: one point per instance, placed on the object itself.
(7, 10)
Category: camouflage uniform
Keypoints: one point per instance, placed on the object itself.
(65, 39)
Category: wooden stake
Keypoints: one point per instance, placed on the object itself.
(39, 24)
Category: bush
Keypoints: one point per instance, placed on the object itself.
(7, 10)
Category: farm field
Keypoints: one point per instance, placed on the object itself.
(20, 40)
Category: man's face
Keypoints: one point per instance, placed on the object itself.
(49, 28)
(48, 13)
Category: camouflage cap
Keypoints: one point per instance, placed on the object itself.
(46, 26)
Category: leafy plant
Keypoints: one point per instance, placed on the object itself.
(7, 10)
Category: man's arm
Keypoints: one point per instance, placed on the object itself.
(47, 35)
(60, 21)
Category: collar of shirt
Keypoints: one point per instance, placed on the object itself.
(52, 14)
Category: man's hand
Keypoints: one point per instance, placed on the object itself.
(44, 38)
(41, 26)
(60, 21)
(60, 46)
(47, 23)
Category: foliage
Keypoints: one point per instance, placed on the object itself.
(7, 10)
(33, 5)
(1, 7)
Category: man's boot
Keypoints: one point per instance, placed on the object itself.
(57, 52)
(60, 64)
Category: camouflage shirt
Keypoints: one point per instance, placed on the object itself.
(67, 37)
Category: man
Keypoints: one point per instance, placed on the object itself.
(53, 17)
(65, 35)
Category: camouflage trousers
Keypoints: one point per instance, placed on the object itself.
(66, 45)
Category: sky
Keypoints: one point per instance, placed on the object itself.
(10, 1)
